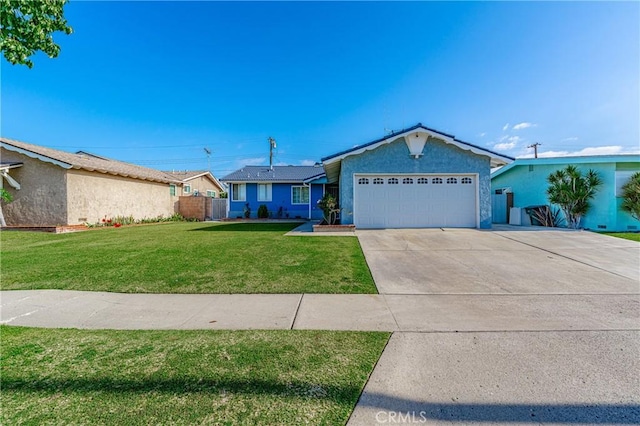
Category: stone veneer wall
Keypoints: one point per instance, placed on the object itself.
(438, 157)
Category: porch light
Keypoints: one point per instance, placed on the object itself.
(415, 143)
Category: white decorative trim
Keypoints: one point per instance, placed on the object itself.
(32, 154)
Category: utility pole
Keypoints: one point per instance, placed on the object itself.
(535, 148)
(272, 145)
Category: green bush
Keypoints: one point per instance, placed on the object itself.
(263, 213)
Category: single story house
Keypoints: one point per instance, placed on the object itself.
(286, 191)
(415, 178)
(526, 178)
(51, 187)
(198, 183)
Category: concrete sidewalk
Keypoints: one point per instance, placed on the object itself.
(367, 312)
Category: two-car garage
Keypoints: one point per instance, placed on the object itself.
(415, 200)
(414, 178)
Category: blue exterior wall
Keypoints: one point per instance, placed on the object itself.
(281, 195)
(438, 157)
(529, 188)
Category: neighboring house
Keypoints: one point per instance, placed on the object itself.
(414, 178)
(287, 191)
(527, 180)
(199, 183)
(52, 187)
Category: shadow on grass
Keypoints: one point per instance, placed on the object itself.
(393, 409)
(340, 394)
(250, 227)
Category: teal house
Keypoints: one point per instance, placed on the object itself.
(527, 180)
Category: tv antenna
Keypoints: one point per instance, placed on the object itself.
(208, 152)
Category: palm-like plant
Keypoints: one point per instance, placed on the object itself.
(631, 196)
(572, 191)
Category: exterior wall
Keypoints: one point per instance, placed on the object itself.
(42, 199)
(281, 196)
(529, 185)
(438, 157)
(93, 195)
(200, 184)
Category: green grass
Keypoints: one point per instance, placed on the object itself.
(633, 236)
(183, 377)
(185, 258)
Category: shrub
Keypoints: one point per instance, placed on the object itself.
(631, 196)
(263, 213)
(572, 191)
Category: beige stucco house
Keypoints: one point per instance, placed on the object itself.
(52, 187)
(196, 183)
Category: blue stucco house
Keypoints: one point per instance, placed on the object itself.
(415, 178)
(287, 191)
(526, 178)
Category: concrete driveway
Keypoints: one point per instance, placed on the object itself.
(512, 328)
(467, 261)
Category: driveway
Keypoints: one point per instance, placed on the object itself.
(517, 327)
(467, 261)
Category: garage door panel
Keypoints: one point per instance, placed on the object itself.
(415, 201)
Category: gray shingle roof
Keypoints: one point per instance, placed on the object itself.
(90, 162)
(275, 174)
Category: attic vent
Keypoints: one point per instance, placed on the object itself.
(632, 227)
(602, 226)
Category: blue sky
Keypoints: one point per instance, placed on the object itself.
(154, 83)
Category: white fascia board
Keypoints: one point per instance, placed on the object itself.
(32, 154)
(430, 133)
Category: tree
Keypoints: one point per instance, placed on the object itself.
(27, 26)
(631, 196)
(571, 191)
(4, 197)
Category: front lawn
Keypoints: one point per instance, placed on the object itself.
(633, 236)
(183, 377)
(185, 258)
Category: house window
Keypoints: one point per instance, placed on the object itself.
(211, 193)
(264, 192)
(452, 180)
(172, 190)
(239, 192)
(466, 180)
(363, 181)
(378, 181)
(187, 189)
(392, 181)
(423, 181)
(436, 181)
(407, 181)
(299, 195)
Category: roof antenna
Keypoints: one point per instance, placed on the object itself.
(208, 151)
(272, 145)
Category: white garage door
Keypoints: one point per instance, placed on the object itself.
(415, 201)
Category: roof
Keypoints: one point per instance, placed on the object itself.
(84, 161)
(186, 176)
(586, 159)
(291, 174)
(332, 162)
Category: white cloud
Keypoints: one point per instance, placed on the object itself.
(307, 163)
(504, 146)
(507, 142)
(571, 139)
(257, 161)
(523, 125)
(505, 127)
(596, 150)
(482, 134)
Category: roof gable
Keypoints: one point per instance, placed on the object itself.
(332, 163)
(187, 176)
(285, 174)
